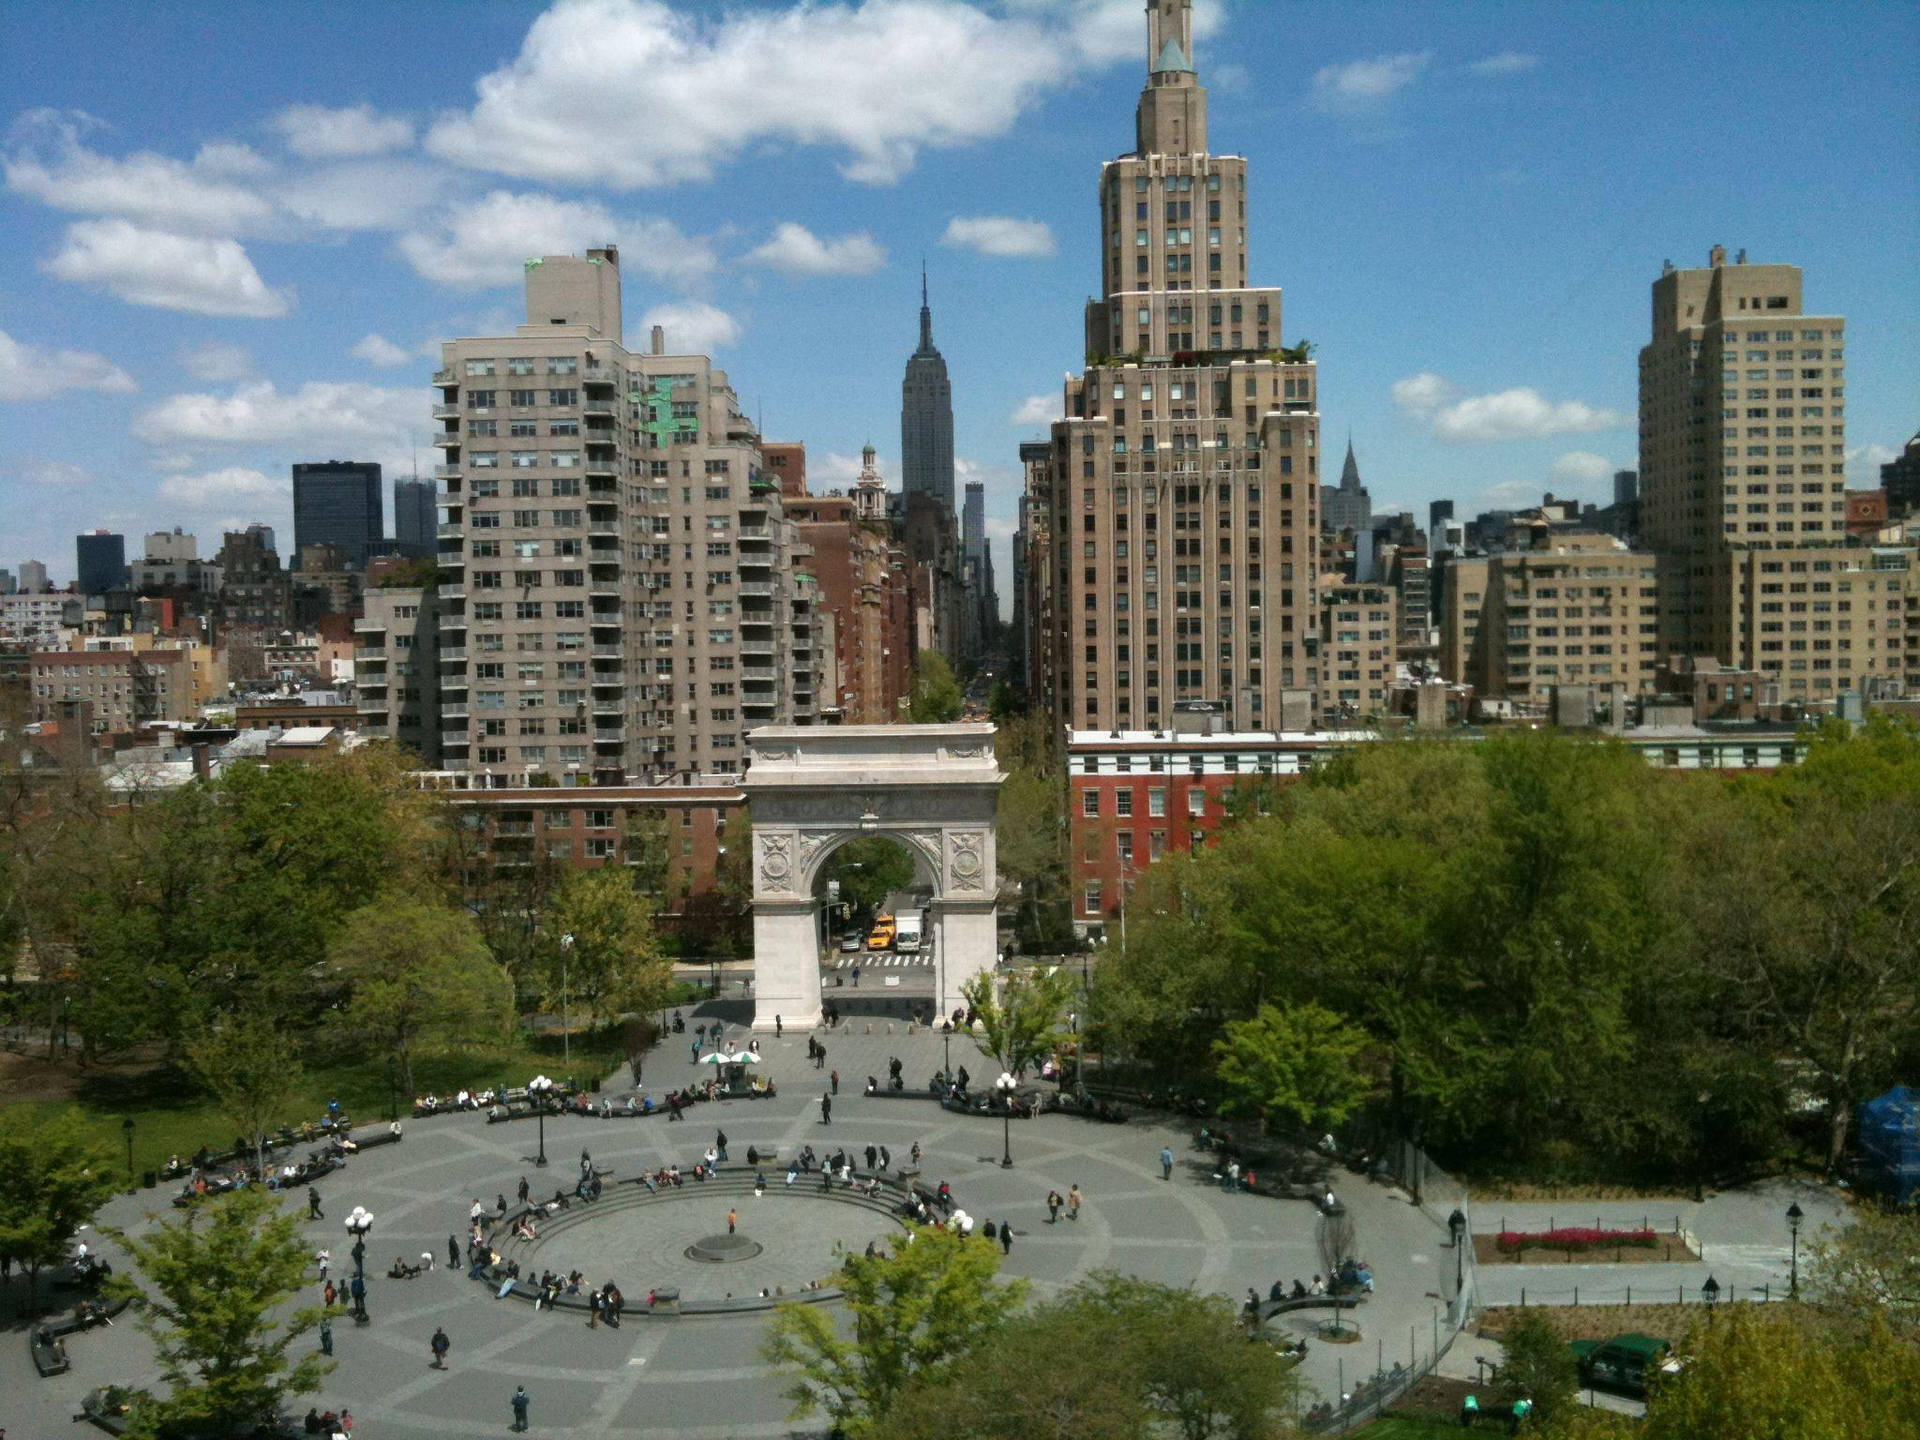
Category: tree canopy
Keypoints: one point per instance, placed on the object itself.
(50, 1184)
(599, 945)
(935, 698)
(1022, 1017)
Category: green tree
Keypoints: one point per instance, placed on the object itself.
(934, 1298)
(1002, 704)
(1123, 1358)
(1539, 1367)
(216, 1284)
(1300, 1062)
(1030, 830)
(600, 945)
(417, 972)
(51, 1181)
(1023, 1018)
(644, 848)
(869, 869)
(1870, 1266)
(935, 698)
(251, 1066)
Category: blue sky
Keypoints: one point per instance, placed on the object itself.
(230, 236)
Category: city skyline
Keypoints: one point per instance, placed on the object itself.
(258, 271)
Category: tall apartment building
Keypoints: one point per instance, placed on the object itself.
(864, 642)
(100, 561)
(1743, 488)
(1360, 624)
(396, 669)
(1036, 627)
(255, 592)
(337, 502)
(415, 517)
(1183, 484)
(617, 592)
(33, 577)
(127, 688)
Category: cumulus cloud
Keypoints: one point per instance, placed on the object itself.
(488, 241)
(1864, 462)
(33, 372)
(35, 470)
(1505, 62)
(1518, 414)
(633, 93)
(317, 132)
(378, 350)
(319, 416)
(46, 161)
(220, 487)
(694, 327)
(1036, 410)
(796, 250)
(171, 272)
(1582, 467)
(382, 193)
(1362, 86)
(217, 363)
(1000, 236)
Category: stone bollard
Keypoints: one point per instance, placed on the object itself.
(889, 1027)
(869, 1027)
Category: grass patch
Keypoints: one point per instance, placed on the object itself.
(172, 1115)
(1397, 1427)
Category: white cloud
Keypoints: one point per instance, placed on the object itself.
(1864, 462)
(1000, 236)
(1506, 62)
(1508, 495)
(33, 372)
(631, 93)
(693, 327)
(1518, 414)
(171, 272)
(1107, 32)
(373, 194)
(212, 361)
(33, 470)
(220, 487)
(47, 162)
(1583, 467)
(378, 350)
(1036, 410)
(488, 241)
(833, 468)
(796, 250)
(320, 416)
(1362, 86)
(316, 132)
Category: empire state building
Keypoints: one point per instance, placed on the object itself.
(1181, 491)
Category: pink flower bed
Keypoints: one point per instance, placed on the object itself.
(1575, 1237)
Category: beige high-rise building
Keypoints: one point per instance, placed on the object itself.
(617, 595)
(1743, 486)
(1182, 489)
(1360, 637)
(396, 669)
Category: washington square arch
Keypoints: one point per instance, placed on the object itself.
(932, 789)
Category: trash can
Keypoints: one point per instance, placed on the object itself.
(149, 1179)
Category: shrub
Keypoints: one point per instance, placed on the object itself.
(1575, 1237)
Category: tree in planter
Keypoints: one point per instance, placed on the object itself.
(1539, 1367)
(1300, 1062)
(50, 1184)
(250, 1065)
(1024, 1022)
(598, 940)
(935, 1298)
(216, 1283)
(1338, 1241)
(418, 972)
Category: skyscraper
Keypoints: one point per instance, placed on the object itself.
(413, 516)
(101, 558)
(617, 592)
(1743, 485)
(926, 416)
(1183, 485)
(33, 577)
(337, 502)
(1347, 506)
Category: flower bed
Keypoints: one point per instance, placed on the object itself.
(1572, 1238)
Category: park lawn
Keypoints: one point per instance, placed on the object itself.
(1396, 1427)
(173, 1116)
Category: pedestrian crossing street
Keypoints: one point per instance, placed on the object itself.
(881, 960)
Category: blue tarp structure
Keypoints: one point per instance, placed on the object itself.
(1889, 1133)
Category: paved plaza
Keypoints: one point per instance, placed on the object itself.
(702, 1375)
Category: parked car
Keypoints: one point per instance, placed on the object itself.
(1625, 1364)
(851, 943)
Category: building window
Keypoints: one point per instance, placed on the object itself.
(1090, 803)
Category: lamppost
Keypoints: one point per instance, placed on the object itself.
(1794, 1216)
(358, 1224)
(566, 1024)
(1457, 1223)
(126, 1129)
(1006, 1085)
(537, 1089)
(1710, 1292)
(393, 1092)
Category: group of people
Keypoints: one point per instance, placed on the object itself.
(335, 1425)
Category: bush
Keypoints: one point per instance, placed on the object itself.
(1575, 1238)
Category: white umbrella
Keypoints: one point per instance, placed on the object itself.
(745, 1057)
(718, 1057)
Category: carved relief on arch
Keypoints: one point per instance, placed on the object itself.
(776, 862)
(967, 859)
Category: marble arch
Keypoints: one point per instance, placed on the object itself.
(933, 788)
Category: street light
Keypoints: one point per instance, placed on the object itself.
(358, 1224)
(1710, 1292)
(126, 1128)
(1457, 1223)
(1005, 1086)
(1794, 1216)
(393, 1092)
(537, 1090)
(566, 1025)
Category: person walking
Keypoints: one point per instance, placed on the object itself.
(328, 1294)
(313, 1204)
(453, 1253)
(733, 1221)
(440, 1345)
(1006, 1237)
(1054, 1202)
(834, 1080)
(819, 1057)
(826, 1109)
(1166, 1162)
(523, 1189)
(886, 1160)
(915, 1153)
(720, 1144)
(326, 1335)
(873, 1155)
(1074, 1198)
(778, 1028)
(522, 1403)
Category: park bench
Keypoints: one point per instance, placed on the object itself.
(1347, 1301)
(43, 1340)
